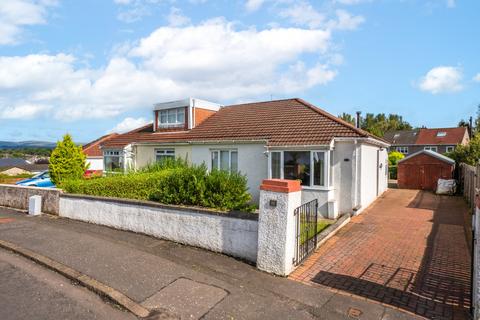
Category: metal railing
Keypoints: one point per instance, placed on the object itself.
(306, 230)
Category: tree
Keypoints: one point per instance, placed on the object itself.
(67, 161)
(394, 157)
(380, 123)
(469, 154)
(347, 118)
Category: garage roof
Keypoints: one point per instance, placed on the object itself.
(430, 153)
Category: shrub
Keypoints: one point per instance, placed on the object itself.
(226, 190)
(184, 185)
(393, 170)
(67, 161)
(130, 186)
(394, 157)
(171, 182)
(469, 154)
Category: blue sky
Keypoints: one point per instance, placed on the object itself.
(94, 66)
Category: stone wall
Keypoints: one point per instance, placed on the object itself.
(235, 234)
(17, 197)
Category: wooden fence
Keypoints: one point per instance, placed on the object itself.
(470, 182)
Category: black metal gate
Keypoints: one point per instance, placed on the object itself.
(306, 230)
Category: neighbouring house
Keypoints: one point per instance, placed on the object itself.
(422, 170)
(342, 166)
(17, 166)
(441, 140)
(94, 154)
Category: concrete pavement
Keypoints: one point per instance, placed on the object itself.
(188, 282)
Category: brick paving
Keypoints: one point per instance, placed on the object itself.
(407, 250)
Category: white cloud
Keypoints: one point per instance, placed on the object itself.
(23, 111)
(346, 21)
(253, 5)
(213, 60)
(451, 3)
(477, 78)
(303, 13)
(129, 124)
(442, 79)
(134, 10)
(176, 19)
(17, 14)
(351, 2)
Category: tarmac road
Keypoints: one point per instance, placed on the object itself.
(29, 291)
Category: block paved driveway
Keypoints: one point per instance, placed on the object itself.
(407, 250)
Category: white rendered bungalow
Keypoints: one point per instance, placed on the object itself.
(342, 166)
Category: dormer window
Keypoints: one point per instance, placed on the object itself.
(441, 134)
(171, 117)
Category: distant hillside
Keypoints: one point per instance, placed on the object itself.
(26, 144)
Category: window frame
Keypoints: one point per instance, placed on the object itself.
(327, 170)
(164, 152)
(431, 148)
(398, 149)
(219, 160)
(452, 148)
(114, 153)
(166, 113)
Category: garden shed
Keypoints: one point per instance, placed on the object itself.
(422, 170)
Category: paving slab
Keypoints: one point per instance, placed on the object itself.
(186, 298)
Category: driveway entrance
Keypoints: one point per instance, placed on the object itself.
(407, 250)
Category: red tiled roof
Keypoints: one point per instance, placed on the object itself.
(453, 136)
(92, 149)
(291, 122)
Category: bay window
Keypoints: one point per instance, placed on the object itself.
(312, 168)
(226, 160)
(113, 160)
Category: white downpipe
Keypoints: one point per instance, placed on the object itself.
(356, 178)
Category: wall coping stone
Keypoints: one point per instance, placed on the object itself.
(31, 188)
(281, 185)
(151, 204)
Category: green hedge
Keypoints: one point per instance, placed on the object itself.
(173, 182)
(392, 172)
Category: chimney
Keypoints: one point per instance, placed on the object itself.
(357, 124)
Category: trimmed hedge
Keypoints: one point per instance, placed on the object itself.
(172, 182)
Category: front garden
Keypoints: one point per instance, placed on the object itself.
(170, 182)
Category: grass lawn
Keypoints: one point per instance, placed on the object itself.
(321, 225)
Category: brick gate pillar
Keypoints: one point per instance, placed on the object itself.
(276, 225)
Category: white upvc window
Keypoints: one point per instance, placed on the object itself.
(312, 168)
(171, 117)
(226, 160)
(113, 160)
(450, 148)
(403, 150)
(431, 148)
(161, 154)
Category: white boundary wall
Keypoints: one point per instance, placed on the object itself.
(216, 232)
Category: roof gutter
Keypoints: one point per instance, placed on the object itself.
(366, 140)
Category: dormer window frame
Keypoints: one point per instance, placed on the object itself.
(441, 134)
(173, 117)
